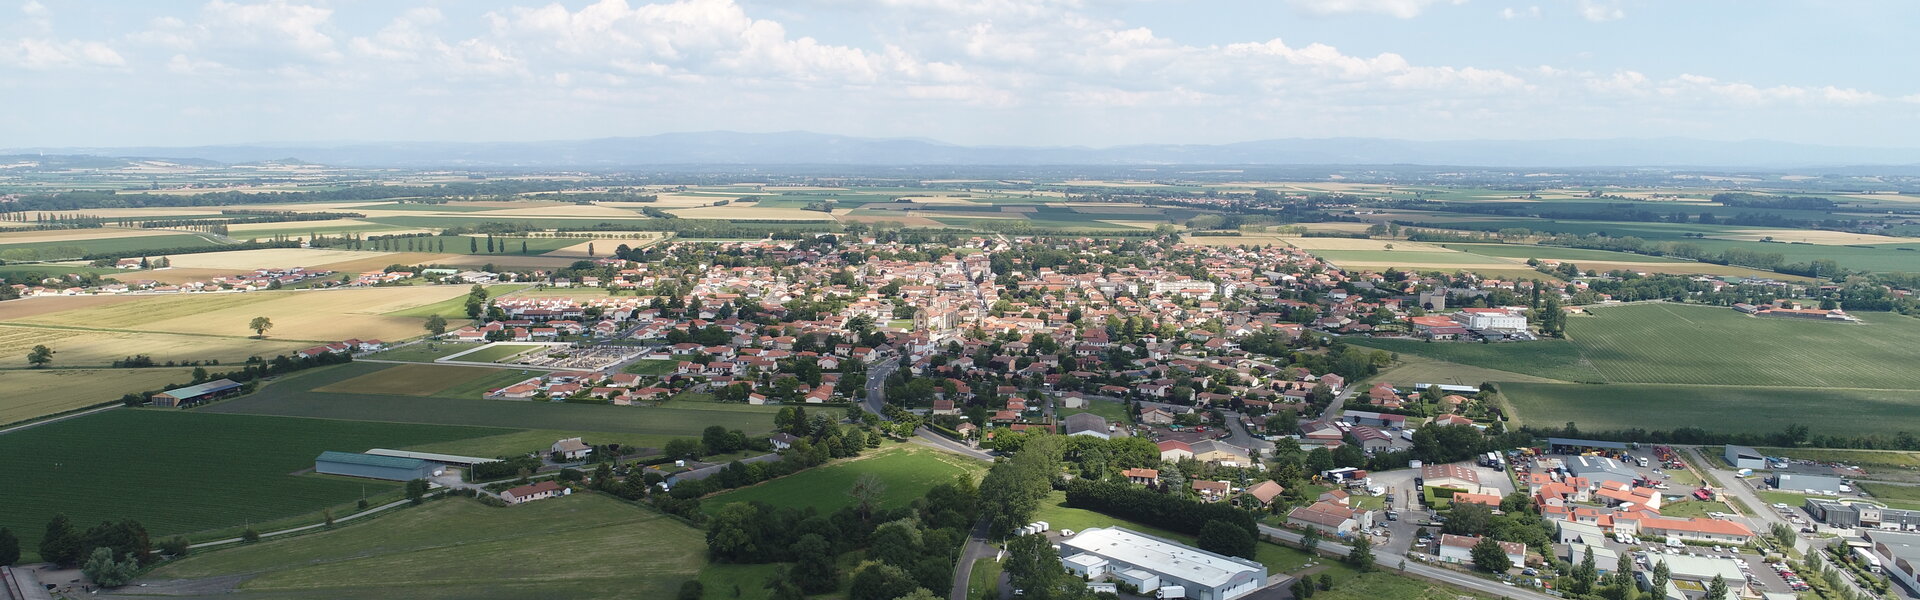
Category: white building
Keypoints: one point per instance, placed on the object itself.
(1459, 549)
(1899, 556)
(1491, 318)
(1149, 563)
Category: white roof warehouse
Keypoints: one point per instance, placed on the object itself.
(1205, 575)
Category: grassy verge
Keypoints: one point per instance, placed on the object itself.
(984, 582)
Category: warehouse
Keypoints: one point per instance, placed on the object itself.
(1148, 562)
(1837, 514)
(1601, 470)
(391, 468)
(1742, 457)
(1812, 484)
(1898, 553)
(196, 394)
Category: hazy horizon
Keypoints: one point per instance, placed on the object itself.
(1026, 73)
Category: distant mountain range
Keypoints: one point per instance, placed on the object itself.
(806, 148)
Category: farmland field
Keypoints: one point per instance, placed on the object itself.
(460, 404)
(42, 392)
(460, 548)
(321, 315)
(652, 367)
(537, 440)
(908, 470)
(498, 351)
(78, 248)
(1715, 408)
(184, 471)
(425, 351)
(408, 380)
(454, 309)
(89, 348)
(1691, 344)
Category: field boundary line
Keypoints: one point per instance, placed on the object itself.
(58, 418)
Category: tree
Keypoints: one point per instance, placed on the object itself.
(9, 548)
(260, 325)
(1716, 589)
(249, 536)
(1226, 538)
(880, 581)
(1361, 557)
(1661, 575)
(40, 356)
(682, 448)
(416, 490)
(107, 572)
(814, 569)
(61, 543)
(1489, 557)
(1311, 539)
(866, 492)
(436, 324)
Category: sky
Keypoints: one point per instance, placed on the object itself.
(77, 73)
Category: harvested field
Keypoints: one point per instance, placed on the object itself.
(409, 380)
(749, 211)
(28, 307)
(240, 230)
(1811, 236)
(319, 315)
(41, 392)
(68, 235)
(875, 217)
(248, 260)
(95, 348)
(374, 261)
(603, 247)
(1249, 239)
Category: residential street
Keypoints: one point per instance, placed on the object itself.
(1392, 561)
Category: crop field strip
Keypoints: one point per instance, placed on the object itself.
(1720, 408)
(184, 471)
(75, 347)
(1662, 343)
(459, 548)
(325, 315)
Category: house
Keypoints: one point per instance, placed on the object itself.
(572, 449)
(1172, 450)
(1330, 518)
(1336, 496)
(945, 407)
(1265, 492)
(1212, 491)
(1215, 451)
(538, 491)
(1156, 416)
(1142, 476)
(1459, 549)
(1087, 424)
(782, 440)
(1472, 498)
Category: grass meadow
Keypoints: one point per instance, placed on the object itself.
(1713, 407)
(183, 471)
(908, 470)
(410, 380)
(581, 546)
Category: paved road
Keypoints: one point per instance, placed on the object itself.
(57, 419)
(976, 549)
(1393, 560)
(877, 385)
(1241, 437)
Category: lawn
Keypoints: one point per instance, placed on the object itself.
(1379, 584)
(1787, 498)
(498, 351)
(983, 582)
(460, 548)
(1694, 508)
(1897, 496)
(1868, 459)
(183, 471)
(1114, 412)
(412, 380)
(42, 392)
(1411, 369)
(295, 397)
(1716, 408)
(908, 471)
(426, 351)
(655, 368)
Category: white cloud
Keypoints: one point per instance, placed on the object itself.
(1601, 10)
(1405, 9)
(45, 54)
(1510, 13)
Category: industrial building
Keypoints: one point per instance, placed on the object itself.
(1690, 575)
(1848, 516)
(1813, 484)
(1742, 457)
(1898, 552)
(391, 468)
(1150, 563)
(196, 394)
(1600, 470)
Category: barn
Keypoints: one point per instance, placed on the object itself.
(391, 468)
(195, 394)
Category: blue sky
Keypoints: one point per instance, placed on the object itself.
(1010, 72)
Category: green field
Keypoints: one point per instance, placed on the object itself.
(1549, 359)
(105, 245)
(1553, 253)
(1715, 408)
(583, 546)
(536, 440)
(1408, 258)
(909, 471)
(180, 471)
(1869, 459)
(499, 351)
(1894, 496)
(461, 405)
(426, 351)
(33, 273)
(1114, 412)
(655, 368)
(420, 380)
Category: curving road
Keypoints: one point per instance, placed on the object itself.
(1392, 562)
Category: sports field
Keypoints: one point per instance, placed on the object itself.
(183, 471)
(34, 393)
(1713, 407)
(321, 315)
(908, 470)
(459, 548)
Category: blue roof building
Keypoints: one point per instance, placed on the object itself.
(391, 468)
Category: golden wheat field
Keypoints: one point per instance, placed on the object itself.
(314, 315)
(42, 392)
(86, 348)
